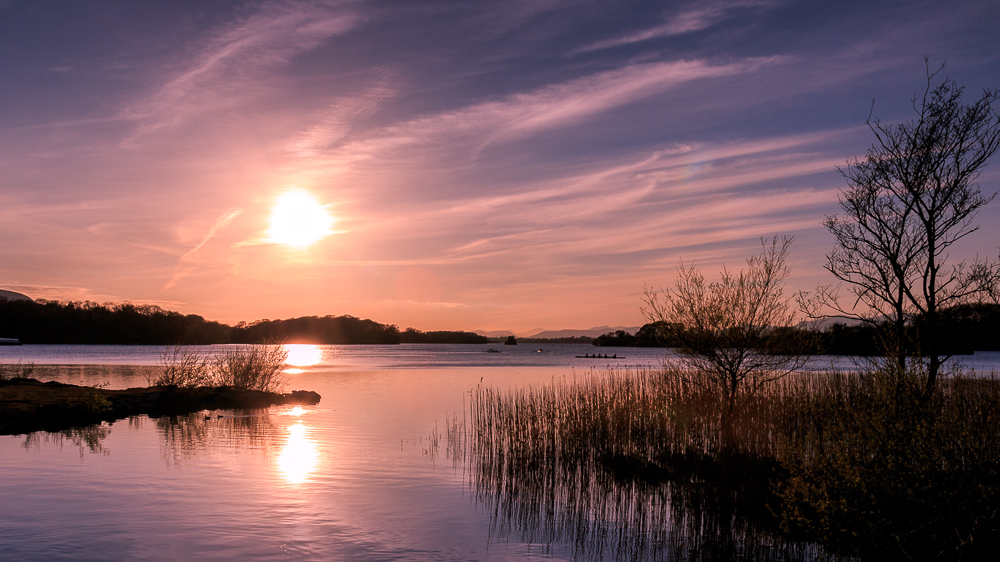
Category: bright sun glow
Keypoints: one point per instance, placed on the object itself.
(298, 220)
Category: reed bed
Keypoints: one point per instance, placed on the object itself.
(651, 464)
(627, 464)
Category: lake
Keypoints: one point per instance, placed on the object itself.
(367, 474)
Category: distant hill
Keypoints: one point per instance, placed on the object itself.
(494, 333)
(592, 332)
(12, 296)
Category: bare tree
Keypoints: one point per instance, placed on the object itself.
(727, 323)
(908, 202)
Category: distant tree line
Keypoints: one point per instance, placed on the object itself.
(416, 336)
(92, 323)
(86, 322)
(965, 328)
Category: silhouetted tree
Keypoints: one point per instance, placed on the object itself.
(727, 323)
(907, 203)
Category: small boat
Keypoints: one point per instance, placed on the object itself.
(492, 350)
(10, 341)
(599, 356)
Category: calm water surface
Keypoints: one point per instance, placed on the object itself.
(355, 477)
(351, 478)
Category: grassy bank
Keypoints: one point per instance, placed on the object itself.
(187, 381)
(30, 405)
(640, 463)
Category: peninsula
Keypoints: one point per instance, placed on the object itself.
(28, 404)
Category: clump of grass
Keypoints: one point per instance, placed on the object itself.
(16, 370)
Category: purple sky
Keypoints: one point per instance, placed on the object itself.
(515, 165)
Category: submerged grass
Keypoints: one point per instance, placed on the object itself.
(650, 464)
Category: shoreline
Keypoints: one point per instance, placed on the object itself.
(28, 405)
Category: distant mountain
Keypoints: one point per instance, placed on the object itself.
(494, 333)
(12, 296)
(592, 332)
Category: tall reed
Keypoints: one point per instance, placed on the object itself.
(618, 464)
(653, 463)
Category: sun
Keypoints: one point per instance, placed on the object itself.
(298, 220)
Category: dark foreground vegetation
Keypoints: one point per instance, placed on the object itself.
(654, 465)
(54, 322)
(28, 405)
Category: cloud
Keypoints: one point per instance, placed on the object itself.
(339, 117)
(184, 268)
(521, 115)
(702, 16)
(229, 66)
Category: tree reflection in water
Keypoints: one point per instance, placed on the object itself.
(191, 435)
(90, 438)
(247, 431)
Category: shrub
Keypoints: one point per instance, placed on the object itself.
(182, 366)
(877, 468)
(251, 367)
(16, 370)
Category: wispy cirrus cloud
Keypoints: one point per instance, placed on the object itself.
(684, 196)
(340, 116)
(699, 17)
(184, 266)
(479, 125)
(230, 64)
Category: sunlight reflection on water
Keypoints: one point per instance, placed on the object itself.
(299, 456)
(302, 355)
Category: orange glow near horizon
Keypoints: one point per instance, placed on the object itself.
(298, 220)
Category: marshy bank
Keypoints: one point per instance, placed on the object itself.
(245, 377)
(650, 464)
(28, 405)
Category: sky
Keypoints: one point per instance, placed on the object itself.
(508, 165)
